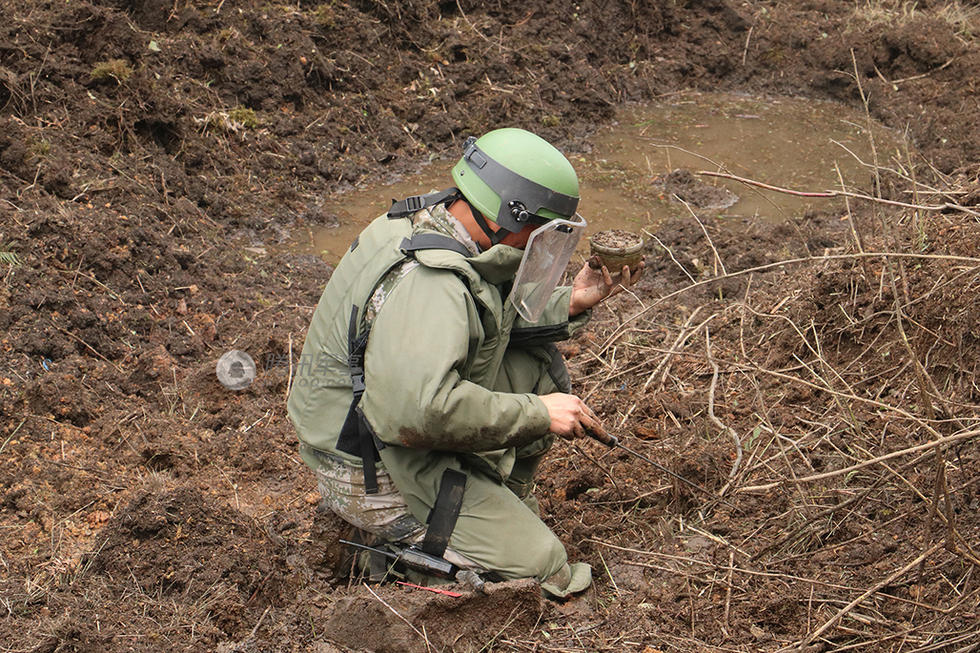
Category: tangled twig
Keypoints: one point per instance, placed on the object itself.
(717, 422)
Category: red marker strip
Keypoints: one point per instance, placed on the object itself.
(455, 595)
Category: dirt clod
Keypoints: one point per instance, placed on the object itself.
(685, 186)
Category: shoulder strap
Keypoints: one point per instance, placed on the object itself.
(415, 203)
(355, 438)
(433, 241)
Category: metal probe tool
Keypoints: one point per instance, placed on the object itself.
(612, 441)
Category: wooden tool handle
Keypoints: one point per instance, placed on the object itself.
(602, 436)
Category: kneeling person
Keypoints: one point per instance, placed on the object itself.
(435, 386)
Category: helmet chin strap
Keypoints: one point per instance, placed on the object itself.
(494, 236)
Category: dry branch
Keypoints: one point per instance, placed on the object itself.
(946, 206)
(959, 437)
(777, 264)
(684, 334)
(717, 422)
(850, 606)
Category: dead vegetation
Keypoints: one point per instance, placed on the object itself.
(832, 399)
(962, 18)
(827, 393)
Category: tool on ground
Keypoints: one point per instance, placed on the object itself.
(428, 564)
(436, 590)
(612, 441)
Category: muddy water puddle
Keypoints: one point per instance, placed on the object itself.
(626, 179)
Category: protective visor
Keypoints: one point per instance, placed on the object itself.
(548, 251)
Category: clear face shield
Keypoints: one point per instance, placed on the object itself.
(548, 251)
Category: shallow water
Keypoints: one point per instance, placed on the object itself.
(800, 144)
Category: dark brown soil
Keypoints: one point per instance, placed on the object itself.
(617, 239)
(152, 151)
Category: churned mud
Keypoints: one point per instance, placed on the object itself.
(684, 187)
(813, 375)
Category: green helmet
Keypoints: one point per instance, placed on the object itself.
(514, 177)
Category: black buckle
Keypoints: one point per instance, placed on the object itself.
(355, 362)
(414, 203)
(473, 155)
(357, 383)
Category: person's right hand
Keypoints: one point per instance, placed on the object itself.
(570, 416)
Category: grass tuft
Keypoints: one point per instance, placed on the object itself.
(9, 258)
(39, 148)
(116, 69)
(244, 117)
(961, 18)
(886, 12)
(234, 121)
(964, 19)
(325, 16)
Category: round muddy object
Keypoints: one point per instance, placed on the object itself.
(616, 248)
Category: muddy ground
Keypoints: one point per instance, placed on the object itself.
(153, 152)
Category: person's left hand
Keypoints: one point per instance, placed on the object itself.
(594, 284)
